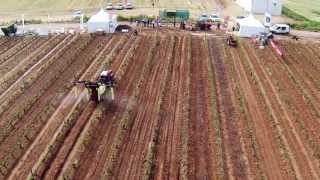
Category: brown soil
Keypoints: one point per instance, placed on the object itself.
(187, 106)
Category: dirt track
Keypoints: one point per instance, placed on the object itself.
(187, 107)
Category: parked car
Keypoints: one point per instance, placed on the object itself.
(109, 6)
(204, 17)
(76, 14)
(119, 6)
(280, 29)
(215, 18)
(240, 17)
(129, 6)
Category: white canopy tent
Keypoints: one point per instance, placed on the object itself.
(250, 27)
(102, 21)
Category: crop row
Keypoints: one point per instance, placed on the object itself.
(20, 56)
(124, 123)
(24, 43)
(22, 76)
(12, 41)
(67, 172)
(17, 111)
(23, 130)
(159, 108)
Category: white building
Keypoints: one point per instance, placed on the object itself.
(249, 27)
(274, 7)
(102, 21)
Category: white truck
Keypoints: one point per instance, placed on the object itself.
(280, 29)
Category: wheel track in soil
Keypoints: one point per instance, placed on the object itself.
(236, 163)
(110, 121)
(15, 59)
(134, 145)
(73, 136)
(271, 159)
(30, 96)
(20, 46)
(51, 126)
(296, 149)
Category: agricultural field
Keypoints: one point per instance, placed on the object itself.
(307, 8)
(186, 107)
(14, 5)
(61, 10)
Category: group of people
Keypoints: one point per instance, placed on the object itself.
(146, 22)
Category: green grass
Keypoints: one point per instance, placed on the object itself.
(302, 22)
(307, 8)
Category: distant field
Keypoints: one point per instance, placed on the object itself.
(60, 9)
(44, 5)
(307, 8)
(59, 5)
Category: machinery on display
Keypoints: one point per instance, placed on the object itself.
(232, 41)
(10, 30)
(101, 90)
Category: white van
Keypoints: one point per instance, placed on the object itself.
(280, 29)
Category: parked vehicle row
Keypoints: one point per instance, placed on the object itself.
(212, 18)
(119, 6)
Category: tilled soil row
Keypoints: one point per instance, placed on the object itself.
(244, 119)
(15, 82)
(137, 136)
(60, 158)
(96, 153)
(296, 148)
(24, 43)
(11, 117)
(14, 60)
(34, 107)
(71, 165)
(80, 65)
(271, 160)
(12, 41)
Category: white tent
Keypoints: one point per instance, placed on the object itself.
(274, 7)
(102, 21)
(250, 27)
